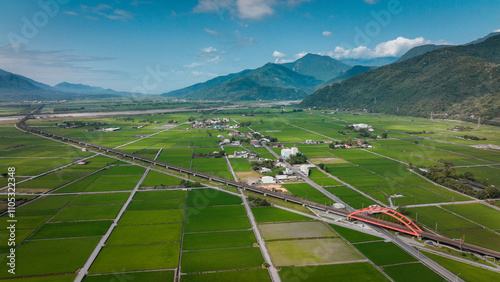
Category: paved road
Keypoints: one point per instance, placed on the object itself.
(448, 275)
(312, 183)
(84, 270)
(473, 263)
(409, 249)
(263, 248)
(229, 165)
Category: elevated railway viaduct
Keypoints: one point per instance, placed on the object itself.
(406, 225)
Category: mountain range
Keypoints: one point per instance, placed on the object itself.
(15, 88)
(295, 80)
(459, 81)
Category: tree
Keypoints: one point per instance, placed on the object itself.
(384, 135)
(469, 175)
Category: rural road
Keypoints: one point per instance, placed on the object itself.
(310, 182)
(409, 249)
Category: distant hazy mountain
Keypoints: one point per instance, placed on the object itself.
(15, 88)
(269, 82)
(321, 67)
(35, 83)
(459, 80)
(419, 50)
(82, 89)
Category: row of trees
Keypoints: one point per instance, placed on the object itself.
(450, 178)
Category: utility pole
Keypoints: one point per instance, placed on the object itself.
(479, 122)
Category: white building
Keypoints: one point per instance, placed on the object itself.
(338, 206)
(268, 180)
(360, 126)
(289, 152)
(282, 177)
(285, 153)
(305, 169)
(111, 129)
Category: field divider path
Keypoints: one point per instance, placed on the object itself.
(53, 170)
(459, 259)
(351, 187)
(262, 245)
(448, 151)
(469, 220)
(84, 271)
(366, 258)
(229, 165)
(151, 135)
(310, 131)
(443, 272)
(421, 176)
(437, 141)
(245, 186)
(177, 273)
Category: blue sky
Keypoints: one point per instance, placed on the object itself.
(158, 46)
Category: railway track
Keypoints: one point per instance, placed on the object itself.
(386, 224)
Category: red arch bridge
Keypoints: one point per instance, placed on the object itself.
(407, 226)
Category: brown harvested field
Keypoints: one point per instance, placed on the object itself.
(295, 230)
(249, 176)
(328, 161)
(311, 251)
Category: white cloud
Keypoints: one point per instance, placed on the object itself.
(209, 50)
(241, 39)
(371, 2)
(207, 56)
(71, 13)
(244, 9)
(278, 54)
(137, 2)
(327, 33)
(254, 9)
(391, 48)
(108, 12)
(280, 58)
(498, 30)
(300, 55)
(53, 67)
(213, 32)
